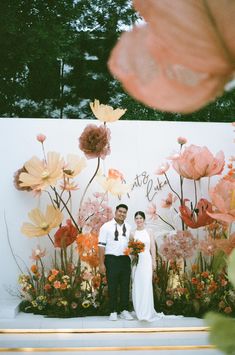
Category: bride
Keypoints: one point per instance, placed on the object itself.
(142, 273)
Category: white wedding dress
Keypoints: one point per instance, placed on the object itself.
(142, 287)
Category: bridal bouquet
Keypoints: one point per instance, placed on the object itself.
(135, 247)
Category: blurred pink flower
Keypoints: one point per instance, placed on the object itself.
(41, 137)
(167, 203)
(195, 162)
(208, 246)
(181, 140)
(223, 198)
(38, 253)
(94, 141)
(86, 275)
(227, 245)
(196, 217)
(162, 169)
(187, 53)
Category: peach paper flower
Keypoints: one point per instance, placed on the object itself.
(115, 186)
(106, 113)
(181, 58)
(195, 162)
(74, 166)
(115, 174)
(42, 224)
(41, 174)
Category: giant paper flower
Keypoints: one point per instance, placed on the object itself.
(182, 57)
(41, 174)
(94, 141)
(106, 113)
(223, 198)
(65, 235)
(115, 186)
(42, 224)
(195, 162)
(196, 217)
(74, 166)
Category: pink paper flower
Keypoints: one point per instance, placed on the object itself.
(181, 140)
(152, 211)
(223, 198)
(167, 203)
(41, 137)
(195, 162)
(94, 141)
(162, 169)
(179, 245)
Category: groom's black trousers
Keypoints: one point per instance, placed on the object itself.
(118, 272)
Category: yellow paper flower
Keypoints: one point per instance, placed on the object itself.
(74, 165)
(114, 186)
(41, 174)
(42, 224)
(106, 113)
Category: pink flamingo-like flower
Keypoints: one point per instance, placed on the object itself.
(196, 217)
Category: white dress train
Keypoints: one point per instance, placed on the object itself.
(142, 287)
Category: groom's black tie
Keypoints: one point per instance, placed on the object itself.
(116, 232)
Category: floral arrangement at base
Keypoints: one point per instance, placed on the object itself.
(191, 274)
(63, 279)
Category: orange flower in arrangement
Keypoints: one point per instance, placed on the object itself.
(87, 246)
(34, 268)
(96, 281)
(135, 247)
(65, 235)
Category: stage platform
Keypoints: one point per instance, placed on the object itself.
(27, 333)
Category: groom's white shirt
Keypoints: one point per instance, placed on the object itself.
(107, 238)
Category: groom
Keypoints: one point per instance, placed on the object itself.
(113, 240)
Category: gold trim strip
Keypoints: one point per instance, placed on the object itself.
(105, 330)
(111, 348)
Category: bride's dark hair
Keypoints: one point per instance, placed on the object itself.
(140, 213)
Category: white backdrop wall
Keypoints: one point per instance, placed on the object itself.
(137, 148)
